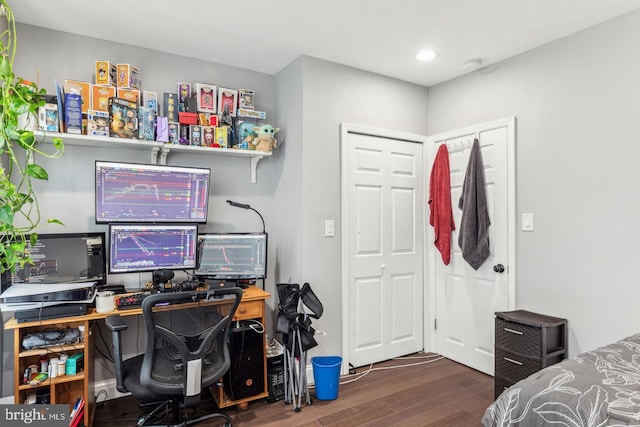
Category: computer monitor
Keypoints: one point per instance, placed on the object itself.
(135, 193)
(65, 258)
(146, 247)
(232, 256)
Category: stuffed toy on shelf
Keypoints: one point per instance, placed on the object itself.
(265, 138)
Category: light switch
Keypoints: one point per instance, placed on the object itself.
(329, 228)
(527, 222)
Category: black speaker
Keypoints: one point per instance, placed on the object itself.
(245, 377)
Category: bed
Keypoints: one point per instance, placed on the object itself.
(596, 388)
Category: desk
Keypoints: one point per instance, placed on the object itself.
(67, 388)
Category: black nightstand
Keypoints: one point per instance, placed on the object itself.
(525, 343)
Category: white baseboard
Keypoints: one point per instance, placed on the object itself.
(310, 374)
(109, 386)
(7, 400)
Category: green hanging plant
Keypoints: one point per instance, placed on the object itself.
(19, 209)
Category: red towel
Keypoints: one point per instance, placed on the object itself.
(441, 214)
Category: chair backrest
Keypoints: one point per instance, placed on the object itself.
(187, 335)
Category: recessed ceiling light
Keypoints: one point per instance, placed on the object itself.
(426, 55)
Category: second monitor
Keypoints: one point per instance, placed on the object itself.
(142, 247)
(232, 256)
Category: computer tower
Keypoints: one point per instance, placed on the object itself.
(245, 377)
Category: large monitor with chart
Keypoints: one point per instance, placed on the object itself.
(147, 247)
(136, 193)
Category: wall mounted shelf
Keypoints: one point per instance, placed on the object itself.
(154, 147)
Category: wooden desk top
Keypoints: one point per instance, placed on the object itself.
(252, 293)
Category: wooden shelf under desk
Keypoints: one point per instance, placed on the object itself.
(65, 388)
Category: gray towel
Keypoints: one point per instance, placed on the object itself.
(473, 237)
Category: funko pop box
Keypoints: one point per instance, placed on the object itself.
(105, 73)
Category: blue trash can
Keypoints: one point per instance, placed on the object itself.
(326, 376)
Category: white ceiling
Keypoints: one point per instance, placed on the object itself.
(381, 36)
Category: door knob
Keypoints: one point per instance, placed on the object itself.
(498, 268)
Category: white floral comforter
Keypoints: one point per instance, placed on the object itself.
(597, 388)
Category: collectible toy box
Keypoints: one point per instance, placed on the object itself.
(48, 117)
(97, 123)
(132, 95)
(227, 101)
(252, 114)
(184, 92)
(128, 77)
(73, 113)
(170, 106)
(147, 122)
(123, 118)
(100, 97)
(245, 99)
(83, 88)
(195, 135)
(150, 100)
(105, 73)
(205, 97)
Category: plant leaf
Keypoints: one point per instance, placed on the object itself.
(55, 221)
(18, 106)
(5, 68)
(27, 138)
(6, 215)
(57, 142)
(11, 131)
(37, 172)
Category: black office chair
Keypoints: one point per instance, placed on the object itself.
(186, 352)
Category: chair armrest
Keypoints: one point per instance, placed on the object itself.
(117, 324)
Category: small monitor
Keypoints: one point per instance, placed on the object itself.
(146, 247)
(65, 258)
(230, 256)
(135, 193)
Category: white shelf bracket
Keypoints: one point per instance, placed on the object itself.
(254, 166)
(163, 155)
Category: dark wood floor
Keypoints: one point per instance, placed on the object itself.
(438, 393)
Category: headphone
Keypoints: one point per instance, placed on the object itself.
(162, 282)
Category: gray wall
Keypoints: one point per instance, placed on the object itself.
(332, 94)
(576, 103)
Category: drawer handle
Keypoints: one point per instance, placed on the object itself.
(513, 361)
(513, 331)
(242, 310)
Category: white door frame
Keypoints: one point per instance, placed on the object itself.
(510, 124)
(345, 129)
